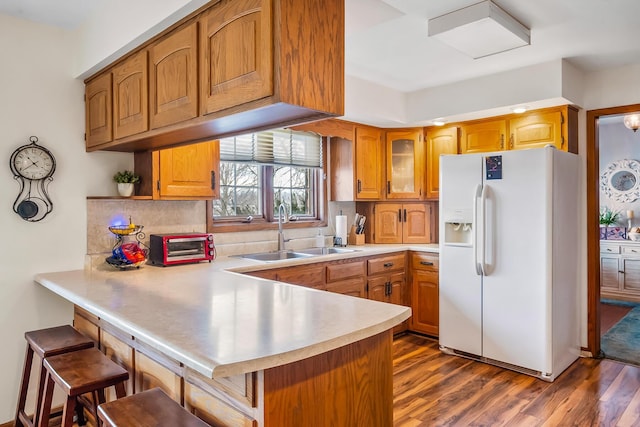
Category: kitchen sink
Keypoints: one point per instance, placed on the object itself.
(301, 253)
(274, 256)
(325, 251)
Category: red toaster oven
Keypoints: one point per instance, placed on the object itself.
(184, 248)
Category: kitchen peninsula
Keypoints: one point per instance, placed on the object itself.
(240, 350)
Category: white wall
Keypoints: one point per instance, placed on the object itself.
(115, 27)
(39, 96)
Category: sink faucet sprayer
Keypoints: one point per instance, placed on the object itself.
(282, 217)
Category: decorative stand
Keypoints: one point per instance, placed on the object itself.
(129, 251)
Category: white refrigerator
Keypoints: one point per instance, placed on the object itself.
(509, 260)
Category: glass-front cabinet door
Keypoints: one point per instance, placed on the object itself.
(405, 164)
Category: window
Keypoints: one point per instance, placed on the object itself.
(260, 171)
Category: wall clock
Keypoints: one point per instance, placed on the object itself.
(33, 167)
(620, 180)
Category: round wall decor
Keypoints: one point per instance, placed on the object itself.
(620, 180)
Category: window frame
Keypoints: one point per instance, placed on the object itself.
(268, 221)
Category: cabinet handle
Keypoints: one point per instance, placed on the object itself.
(388, 264)
(388, 187)
(359, 186)
(213, 180)
(608, 249)
(405, 215)
(387, 288)
(426, 263)
(399, 215)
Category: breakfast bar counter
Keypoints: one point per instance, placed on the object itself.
(263, 352)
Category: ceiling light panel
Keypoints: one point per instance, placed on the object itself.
(480, 30)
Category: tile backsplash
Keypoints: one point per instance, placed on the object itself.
(190, 216)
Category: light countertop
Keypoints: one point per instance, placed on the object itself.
(221, 323)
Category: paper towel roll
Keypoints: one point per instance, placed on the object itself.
(341, 228)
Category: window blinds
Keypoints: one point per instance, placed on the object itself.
(274, 147)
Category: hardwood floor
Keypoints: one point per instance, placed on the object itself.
(433, 389)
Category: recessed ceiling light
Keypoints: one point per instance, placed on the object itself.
(439, 122)
(519, 110)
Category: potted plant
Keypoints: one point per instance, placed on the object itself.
(125, 180)
(608, 218)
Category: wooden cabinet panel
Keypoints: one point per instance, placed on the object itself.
(354, 287)
(264, 274)
(609, 271)
(311, 276)
(211, 410)
(341, 271)
(236, 54)
(631, 275)
(386, 264)
(150, 374)
(402, 223)
(439, 141)
(405, 164)
(173, 77)
(98, 110)
(483, 136)
(120, 351)
(190, 171)
(416, 227)
(536, 130)
(424, 293)
(368, 163)
(86, 323)
(130, 96)
(388, 223)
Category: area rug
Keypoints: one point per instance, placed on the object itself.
(622, 341)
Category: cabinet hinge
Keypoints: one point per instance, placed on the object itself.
(85, 136)
(502, 141)
(158, 185)
(562, 141)
(561, 118)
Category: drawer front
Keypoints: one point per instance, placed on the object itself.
(631, 251)
(311, 276)
(609, 248)
(422, 261)
(386, 264)
(345, 271)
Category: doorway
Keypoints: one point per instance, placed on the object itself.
(593, 224)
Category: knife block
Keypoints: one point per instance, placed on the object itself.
(355, 239)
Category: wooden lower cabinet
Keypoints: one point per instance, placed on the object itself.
(311, 276)
(424, 293)
(402, 223)
(386, 282)
(347, 278)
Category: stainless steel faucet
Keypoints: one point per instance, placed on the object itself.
(282, 217)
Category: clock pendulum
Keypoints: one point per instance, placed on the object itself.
(33, 167)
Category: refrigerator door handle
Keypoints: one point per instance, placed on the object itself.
(483, 210)
(477, 194)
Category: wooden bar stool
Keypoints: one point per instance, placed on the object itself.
(77, 373)
(151, 408)
(45, 343)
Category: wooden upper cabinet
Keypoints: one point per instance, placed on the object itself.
(173, 77)
(98, 110)
(537, 129)
(191, 171)
(402, 223)
(405, 164)
(368, 163)
(483, 136)
(130, 96)
(236, 54)
(439, 141)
